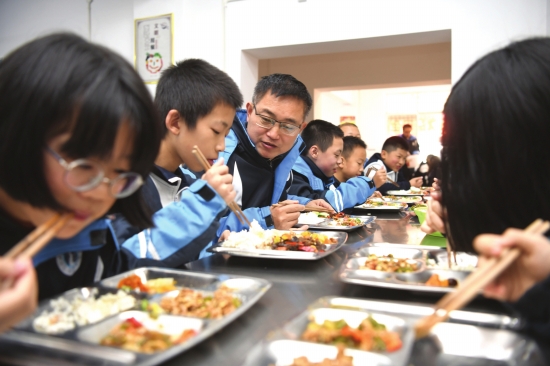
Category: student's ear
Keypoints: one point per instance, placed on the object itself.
(314, 152)
(342, 162)
(384, 154)
(172, 121)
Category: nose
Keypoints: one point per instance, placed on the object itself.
(101, 191)
(273, 132)
(220, 146)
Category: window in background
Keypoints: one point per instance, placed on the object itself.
(381, 113)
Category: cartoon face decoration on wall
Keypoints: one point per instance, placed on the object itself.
(153, 62)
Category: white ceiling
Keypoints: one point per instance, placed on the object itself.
(350, 45)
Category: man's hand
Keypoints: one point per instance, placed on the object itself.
(220, 180)
(380, 177)
(321, 204)
(416, 182)
(285, 214)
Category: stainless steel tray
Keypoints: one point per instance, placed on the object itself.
(469, 338)
(327, 224)
(351, 271)
(290, 335)
(341, 238)
(370, 208)
(82, 342)
(403, 193)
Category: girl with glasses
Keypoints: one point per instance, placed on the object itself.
(78, 134)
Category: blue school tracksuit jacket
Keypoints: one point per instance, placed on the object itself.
(108, 247)
(258, 182)
(309, 181)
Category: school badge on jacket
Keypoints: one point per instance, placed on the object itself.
(69, 263)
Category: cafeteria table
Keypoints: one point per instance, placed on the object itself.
(295, 285)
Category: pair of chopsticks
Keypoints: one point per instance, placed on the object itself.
(387, 179)
(306, 209)
(30, 245)
(471, 286)
(233, 206)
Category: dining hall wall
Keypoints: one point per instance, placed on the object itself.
(198, 25)
(398, 66)
(264, 29)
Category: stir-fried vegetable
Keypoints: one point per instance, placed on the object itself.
(369, 336)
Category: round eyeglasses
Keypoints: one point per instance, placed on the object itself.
(268, 123)
(83, 175)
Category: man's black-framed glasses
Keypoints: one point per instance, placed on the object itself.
(268, 123)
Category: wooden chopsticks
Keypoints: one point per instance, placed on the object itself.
(233, 206)
(306, 209)
(39, 237)
(387, 179)
(317, 209)
(31, 244)
(470, 287)
(392, 182)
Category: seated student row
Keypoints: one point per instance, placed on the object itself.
(92, 111)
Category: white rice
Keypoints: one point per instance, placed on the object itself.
(310, 218)
(256, 238)
(65, 314)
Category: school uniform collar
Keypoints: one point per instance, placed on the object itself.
(317, 172)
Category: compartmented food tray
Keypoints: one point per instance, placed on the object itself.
(179, 332)
(431, 275)
(405, 193)
(390, 207)
(295, 339)
(329, 224)
(468, 338)
(340, 237)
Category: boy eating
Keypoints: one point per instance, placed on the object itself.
(197, 103)
(354, 155)
(315, 168)
(392, 158)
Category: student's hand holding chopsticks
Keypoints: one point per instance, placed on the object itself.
(380, 177)
(19, 300)
(532, 266)
(218, 177)
(285, 214)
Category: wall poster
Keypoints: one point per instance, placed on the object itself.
(154, 50)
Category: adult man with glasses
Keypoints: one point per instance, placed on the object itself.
(261, 149)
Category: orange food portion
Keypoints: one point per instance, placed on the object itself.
(434, 280)
(133, 282)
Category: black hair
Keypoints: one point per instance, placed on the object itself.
(283, 85)
(350, 143)
(194, 88)
(320, 133)
(407, 125)
(395, 142)
(497, 122)
(61, 83)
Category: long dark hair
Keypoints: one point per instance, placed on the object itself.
(495, 155)
(61, 83)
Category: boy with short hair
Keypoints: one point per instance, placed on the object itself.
(392, 158)
(315, 168)
(350, 129)
(197, 103)
(354, 156)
